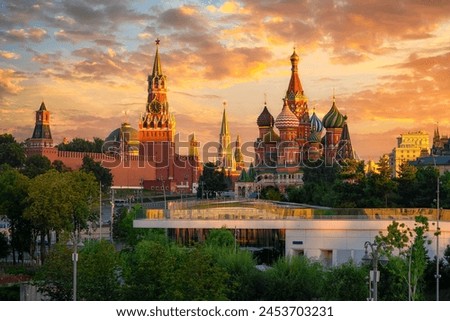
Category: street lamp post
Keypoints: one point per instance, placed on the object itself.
(75, 243)
(438, 231)
(374, 258)
(438, 214)
(100, 213)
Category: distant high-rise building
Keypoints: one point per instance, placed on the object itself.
(410, 146)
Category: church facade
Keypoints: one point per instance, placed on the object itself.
(295, 139)
(145, 157)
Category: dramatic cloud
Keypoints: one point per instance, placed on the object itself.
(388, 60)
(9, 55)
(10, 82)
(21, 35)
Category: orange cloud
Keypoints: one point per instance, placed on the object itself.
(9, 55)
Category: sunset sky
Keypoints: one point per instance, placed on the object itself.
(387, 61)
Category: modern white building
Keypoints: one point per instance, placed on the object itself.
(330, 236)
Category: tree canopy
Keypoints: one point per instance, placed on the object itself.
(82, 145)
(11, 152)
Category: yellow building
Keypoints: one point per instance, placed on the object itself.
(410, 146)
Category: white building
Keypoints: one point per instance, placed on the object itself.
(331, 236)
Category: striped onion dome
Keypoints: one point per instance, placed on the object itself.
(314, 137)
(265, 119)
(286, 119)
(316, 124)
(333, 119)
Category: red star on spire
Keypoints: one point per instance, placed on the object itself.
(157, 41)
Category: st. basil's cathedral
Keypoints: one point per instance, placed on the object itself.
(300, 142)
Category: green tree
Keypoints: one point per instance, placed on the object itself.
(4, 246)
(408, 259)
(124, 231)
(60, 166)
(98, 272)
(197, 277)
(13, 202)
(445, 190)
(346, 282)
(11, 152)
(55, 278)
(295, 279)
(60, 202)
(82, 145)
(426, 180)
(211, 181)
(36, 165)
(219, 238)
(244, 281)
(407, 184)
(97, 275)
(102, 174)
(271, 193)
(147, 271)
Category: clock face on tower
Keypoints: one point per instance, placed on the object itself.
(155, 107)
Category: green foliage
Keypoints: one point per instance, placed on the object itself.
(197, 277)
(83, 145)
(60, 202)
(211, 181)
(155, 271)
(102, 174)
(4, 246)
(408, 259)
(36, 165)
(271, 193)
(220, 238)
(14, 188)
(11, 152)
(147, 270)
(124, 231)
(55, 278)
(244, 281)
(10, 293)
(295, 279)
(60, 166)
(346, 282)
(98, 271)
(426, 180)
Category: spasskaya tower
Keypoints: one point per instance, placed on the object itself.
(157, 124)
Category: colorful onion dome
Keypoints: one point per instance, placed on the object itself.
(265, 119)
(286, 119)
(333, 119)
(314, 137)
(316, 124)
